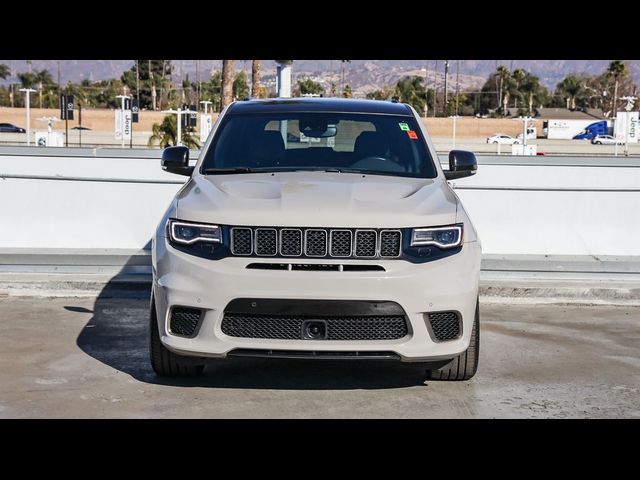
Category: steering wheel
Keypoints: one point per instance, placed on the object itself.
(375, 162)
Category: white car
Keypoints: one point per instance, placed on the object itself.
(353, 246)
(606, 140)
(503, 139)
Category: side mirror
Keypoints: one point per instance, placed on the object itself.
(461, 164)
(176, 160)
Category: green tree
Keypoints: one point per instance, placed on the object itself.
(385, 94)
(307, 86)
(617, 69)
(240, 86)
(411, 90)
(5, 71)
(572, 87)
(334, 90)
(503, 75)
(165, 134)
(347, 93)
(152, 75)
(533, 91)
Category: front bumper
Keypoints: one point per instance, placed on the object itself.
(181, 279)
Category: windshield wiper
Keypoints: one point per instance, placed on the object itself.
(213, 171)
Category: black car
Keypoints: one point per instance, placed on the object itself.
(11, 128)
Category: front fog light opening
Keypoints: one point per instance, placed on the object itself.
(443, 237)
(187, 233)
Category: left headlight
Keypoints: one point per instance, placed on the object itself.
(188, 233)
(443, 237)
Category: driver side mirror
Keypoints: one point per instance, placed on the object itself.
(461, 164)
(176, 160)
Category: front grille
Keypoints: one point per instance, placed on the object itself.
(184, 321)
(366, 242)
(316, 242)
(290, 327)
(445, 325)
(390, 243)
(290, 242)
(241, 241)
(341, 243)
(266, 241)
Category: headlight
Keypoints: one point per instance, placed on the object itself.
(188, 233)
(443, 237)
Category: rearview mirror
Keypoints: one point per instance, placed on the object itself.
(461, 164)
(176, 160)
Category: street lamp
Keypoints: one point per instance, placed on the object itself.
(426, 93)
(27, 92)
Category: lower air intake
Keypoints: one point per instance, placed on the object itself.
(445, 325)
(184, 321)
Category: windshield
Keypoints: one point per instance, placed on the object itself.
(345, 142)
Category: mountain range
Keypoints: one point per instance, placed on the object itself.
(362, 75)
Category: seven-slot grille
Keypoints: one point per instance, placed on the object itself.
(290, 327)
(316, 242)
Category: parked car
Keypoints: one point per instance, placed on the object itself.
(288, 249)
(606, 140)
(11, 128)
(503, 139)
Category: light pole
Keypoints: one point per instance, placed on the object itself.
(27, 93)
(426, 93)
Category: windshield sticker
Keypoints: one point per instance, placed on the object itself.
(404, 127)
(412, 135)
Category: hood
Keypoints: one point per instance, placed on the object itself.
(322, 199)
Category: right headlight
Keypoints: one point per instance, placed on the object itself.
(443, 237)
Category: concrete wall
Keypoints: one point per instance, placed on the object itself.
(112, 199)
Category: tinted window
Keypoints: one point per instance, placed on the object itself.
(368, 143)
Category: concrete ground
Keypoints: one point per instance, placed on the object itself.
(87, 358)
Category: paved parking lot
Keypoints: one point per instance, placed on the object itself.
(87, 358)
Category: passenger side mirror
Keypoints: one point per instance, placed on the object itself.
(176, 160)
(461, 164)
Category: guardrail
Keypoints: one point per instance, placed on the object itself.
(542, 208)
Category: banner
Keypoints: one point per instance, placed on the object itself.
(205, 127)
(627, 122)
(126, 125)
(118, 129)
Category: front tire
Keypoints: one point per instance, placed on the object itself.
(465, 365)
(164, 362)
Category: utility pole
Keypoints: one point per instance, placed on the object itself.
(446, 77)
(457, 85)
(59, 91)
(27, 94)
(435, 89)
(198, 81)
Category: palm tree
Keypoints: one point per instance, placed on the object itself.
(531, 88)
(166, 133)
(227, 82)
(503, 97)
(517, 76)
(255, 78)
(617, 69)
(571, 87)
(5, 71)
